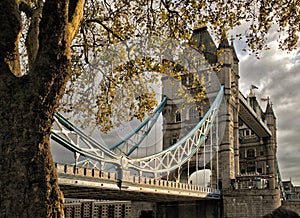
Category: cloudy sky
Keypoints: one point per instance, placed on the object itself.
(277, 74)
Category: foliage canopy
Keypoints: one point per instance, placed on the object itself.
(107, 22)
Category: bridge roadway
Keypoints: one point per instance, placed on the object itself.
(251, 119)
(85, 183)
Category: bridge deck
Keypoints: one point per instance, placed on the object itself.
(251, 119)
(90, 184)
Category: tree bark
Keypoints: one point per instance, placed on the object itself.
(28, 182)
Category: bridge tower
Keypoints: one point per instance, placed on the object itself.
(176, 123)
(258, 152)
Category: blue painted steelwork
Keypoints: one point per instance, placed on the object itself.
(70, 126)
(155, 116)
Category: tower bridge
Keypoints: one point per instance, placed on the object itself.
(231, 136)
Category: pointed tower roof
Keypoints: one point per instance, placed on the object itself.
(269, 109)
(204, 42)
(235, 57)
(224, 43)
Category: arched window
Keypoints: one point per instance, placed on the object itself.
(178, 117)
(193, 113)
(174, 139)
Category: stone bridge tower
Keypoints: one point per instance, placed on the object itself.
(247, 172)
(177, 124)
(233, 146)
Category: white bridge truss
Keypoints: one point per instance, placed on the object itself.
(72, 138)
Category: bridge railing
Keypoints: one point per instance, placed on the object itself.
(65, 169)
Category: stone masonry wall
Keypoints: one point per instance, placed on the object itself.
(139, 207)
(254, 203)
(292, 205)
(189, 209)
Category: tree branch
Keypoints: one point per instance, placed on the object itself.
(32, 41)
(105, 27)
(23, 6)
(52, 66)
(75, 14)
(10, 31)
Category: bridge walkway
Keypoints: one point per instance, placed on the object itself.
(85, 183)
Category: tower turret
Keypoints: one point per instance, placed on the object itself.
(229, 147)
(271, 146)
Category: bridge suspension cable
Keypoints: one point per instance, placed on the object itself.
(134, 140)
(72, 138)
(167, 160)
(179, 153)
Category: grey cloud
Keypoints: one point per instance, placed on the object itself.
(277, 74)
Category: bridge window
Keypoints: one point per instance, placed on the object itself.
(247, 132)
(174, 139)
(207, 78)
(250, 169)
(178, 117)
(250, 153)
(241, 132)
(193, 113)
(187, 79)
(184, 80)
(240, 122)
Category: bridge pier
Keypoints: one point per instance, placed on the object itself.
(195, 209)
(250, 203)
(143, 209)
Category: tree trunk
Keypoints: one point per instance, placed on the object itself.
(28, 181)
